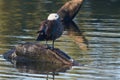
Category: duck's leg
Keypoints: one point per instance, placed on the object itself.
(47, 44)
(53, 44)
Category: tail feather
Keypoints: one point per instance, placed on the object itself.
(41, 36)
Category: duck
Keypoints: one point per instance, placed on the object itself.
(50, 29)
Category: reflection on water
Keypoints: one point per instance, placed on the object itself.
(95, 45)
(41, 68)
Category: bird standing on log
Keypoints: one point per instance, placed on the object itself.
(50, 29)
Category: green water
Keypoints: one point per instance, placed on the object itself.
(96, 46)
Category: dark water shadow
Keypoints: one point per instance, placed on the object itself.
(41, 68)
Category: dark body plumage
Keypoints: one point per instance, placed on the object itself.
(50, 30)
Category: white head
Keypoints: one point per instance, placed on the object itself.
(53, 16)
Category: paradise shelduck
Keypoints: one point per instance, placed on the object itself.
(50, 29)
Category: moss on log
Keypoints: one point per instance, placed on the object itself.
(35, 52)
(69, 10)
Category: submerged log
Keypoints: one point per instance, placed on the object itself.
(69, 10)
(35, 52)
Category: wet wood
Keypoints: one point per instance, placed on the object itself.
(69, 10)
(35, 52)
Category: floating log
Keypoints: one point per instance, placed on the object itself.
(69, 10)
(35, 52)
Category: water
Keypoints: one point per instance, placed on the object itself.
(96, 46)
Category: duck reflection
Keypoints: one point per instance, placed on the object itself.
(41, 68)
